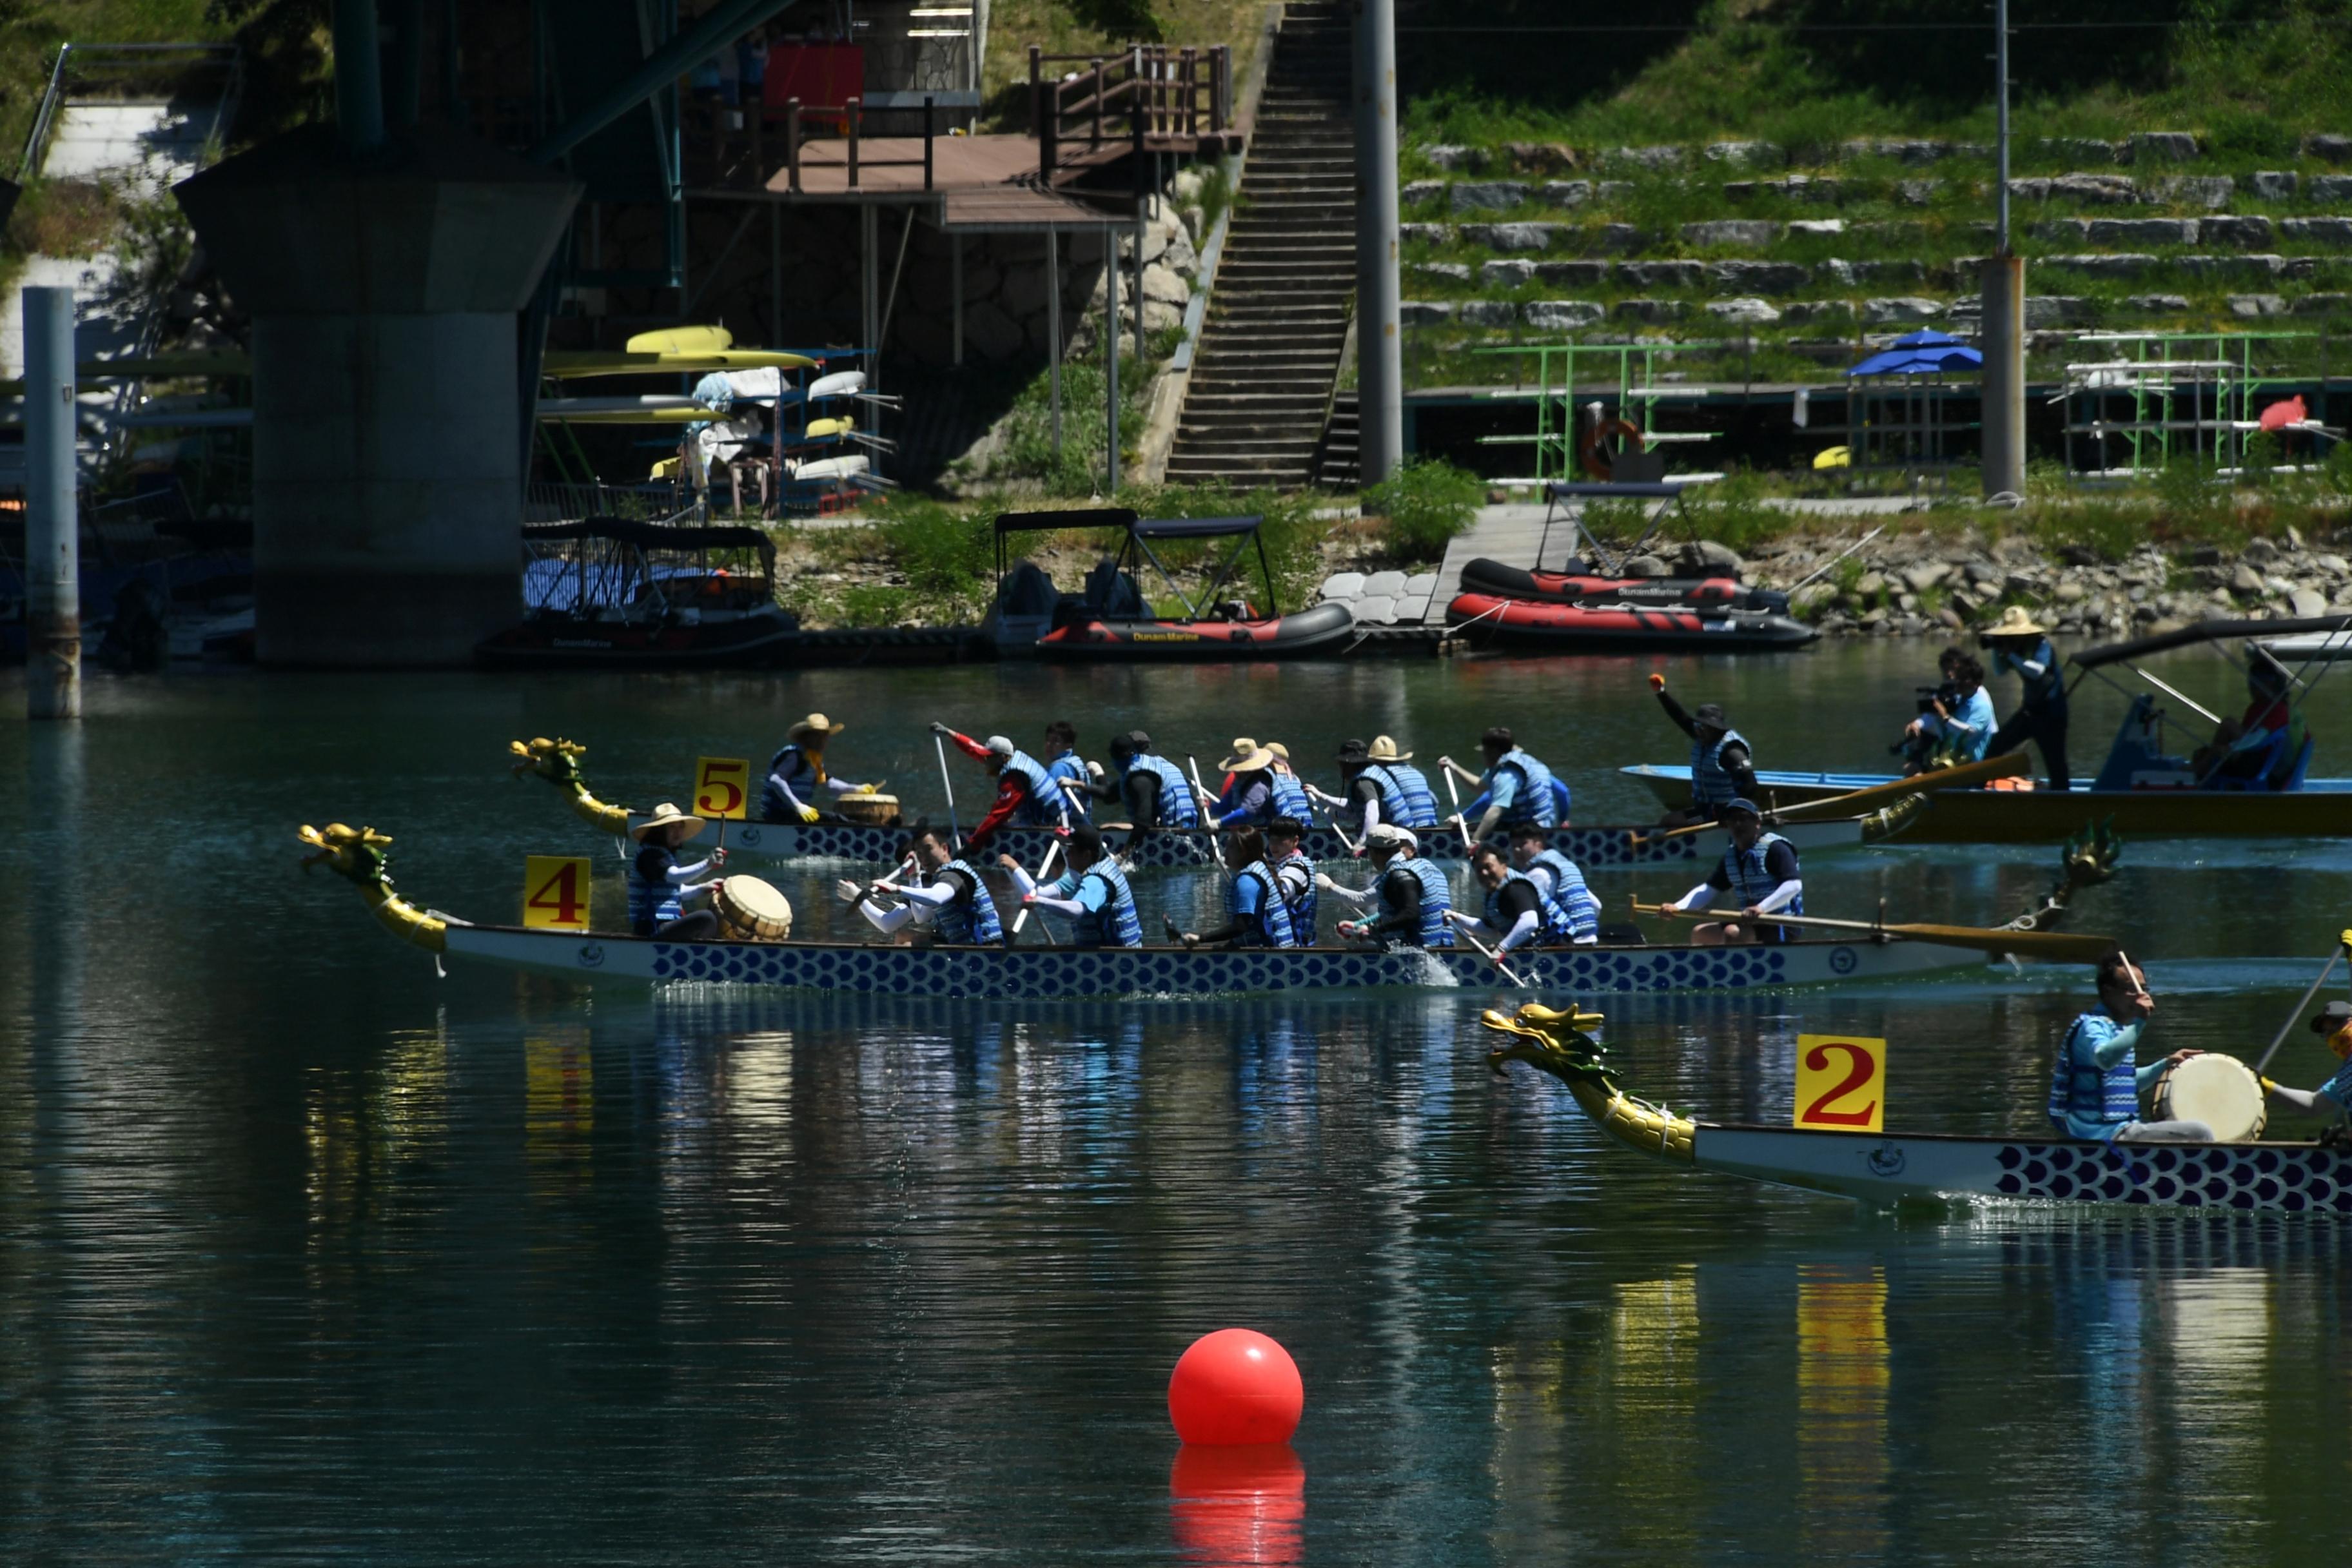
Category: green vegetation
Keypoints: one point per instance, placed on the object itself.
(1086, 27)
(1426, 505)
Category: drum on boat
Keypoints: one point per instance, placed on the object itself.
(751, 911)
(868, 810)
(2221, 1091)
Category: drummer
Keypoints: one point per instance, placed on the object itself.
(1092, 894)
(950, 898)
(797, 778)
(1023, 792)
(1514, 787)
(1411, 890)
(1065, 768)
(2333, 1098)
(1257, 915)
(1759, 870)
(2096, 1081)
(657, 880)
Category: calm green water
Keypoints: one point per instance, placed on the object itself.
(306, 1253)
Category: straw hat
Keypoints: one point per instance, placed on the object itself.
(814, 724)
(1251, 762)
(664, 814)
(1279, 749)
(2015, 622)
(1243, 747)
(1384, 751)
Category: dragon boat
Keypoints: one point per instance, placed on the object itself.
(1823, 825)
(1883, 1170)
(2144, 790)
(1859, 952)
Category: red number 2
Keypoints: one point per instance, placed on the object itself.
(1818, 1060)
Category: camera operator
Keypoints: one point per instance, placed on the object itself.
(1956, 721)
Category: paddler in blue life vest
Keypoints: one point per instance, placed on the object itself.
(1153, 788)
(797, 779)
(948, 896)
(1379, 783)
(1721, 767)
(1297, 873)
(1257, 915)
(1065, 769)
(2019, 645)
(1024, 794)
(1559, 878)
(1092, 894)
(2095, 1079)
(657, 881)
(1759, 869)
(1519, 913)
(1411, 890)
(2334, 1098)
(1514, 789)
(1259, 786)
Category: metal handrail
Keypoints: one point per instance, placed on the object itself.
(45, 117)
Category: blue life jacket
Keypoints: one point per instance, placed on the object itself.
(651, 903)
(1038, 810)
(1710, 785)
(1752, 884)
(1569, 891)
(1406, 799)
(2078, 1088)
(1437, 899)
(1273, 909)
(1069, 765)
(2046, 695)
(1118, 913)
(1290, 798)
(1177, 806)
(805, 773)
(1551, 920)
(967, 921)
(1560, 799)
(1534, 801)
(1305, 908)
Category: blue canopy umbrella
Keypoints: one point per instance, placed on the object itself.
(1922, 352)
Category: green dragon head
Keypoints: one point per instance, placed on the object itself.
(357, 853)
(1552, 1041)
(557, 760)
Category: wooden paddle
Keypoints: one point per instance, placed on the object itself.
(2058, 947)
(1855, 802)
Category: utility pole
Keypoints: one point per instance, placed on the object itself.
(52, 517)
(1379, 352)
(2001, 382)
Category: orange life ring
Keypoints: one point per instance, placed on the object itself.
(1591, 452)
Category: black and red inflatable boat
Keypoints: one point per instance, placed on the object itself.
(1492, 577)
(1319, 630)
(1518, 626)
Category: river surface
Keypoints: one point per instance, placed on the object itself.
(307, 1253)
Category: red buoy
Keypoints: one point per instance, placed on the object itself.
(1236, 1387)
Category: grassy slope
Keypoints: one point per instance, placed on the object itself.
(31, 31)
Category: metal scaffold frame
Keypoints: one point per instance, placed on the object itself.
(1556, 438)
(2189, 395)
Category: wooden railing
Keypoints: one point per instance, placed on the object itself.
(1168, 91)
(758, 141)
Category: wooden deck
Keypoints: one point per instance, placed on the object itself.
(975, 182)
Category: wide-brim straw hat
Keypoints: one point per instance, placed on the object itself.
(1279, 749)
(664, 816)
(1244, 748)
(2015, 622)
(1261, 758)
(1384, 749)
(814, 724)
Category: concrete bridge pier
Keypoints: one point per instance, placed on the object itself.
(384, 290)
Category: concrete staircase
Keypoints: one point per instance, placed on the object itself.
(1340, 464)
(1254, 412)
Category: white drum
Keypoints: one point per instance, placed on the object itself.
(752, 910)
(2221, 1091)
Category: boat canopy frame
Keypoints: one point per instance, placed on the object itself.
(1245, 530)
(631, 537)
(2219, 634)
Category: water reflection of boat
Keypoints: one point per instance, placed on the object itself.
(609, 593)
(2144, 790)
(1886, 1169)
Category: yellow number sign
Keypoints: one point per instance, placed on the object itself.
(555, 892)
(722, 788)
(1841, 1083)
